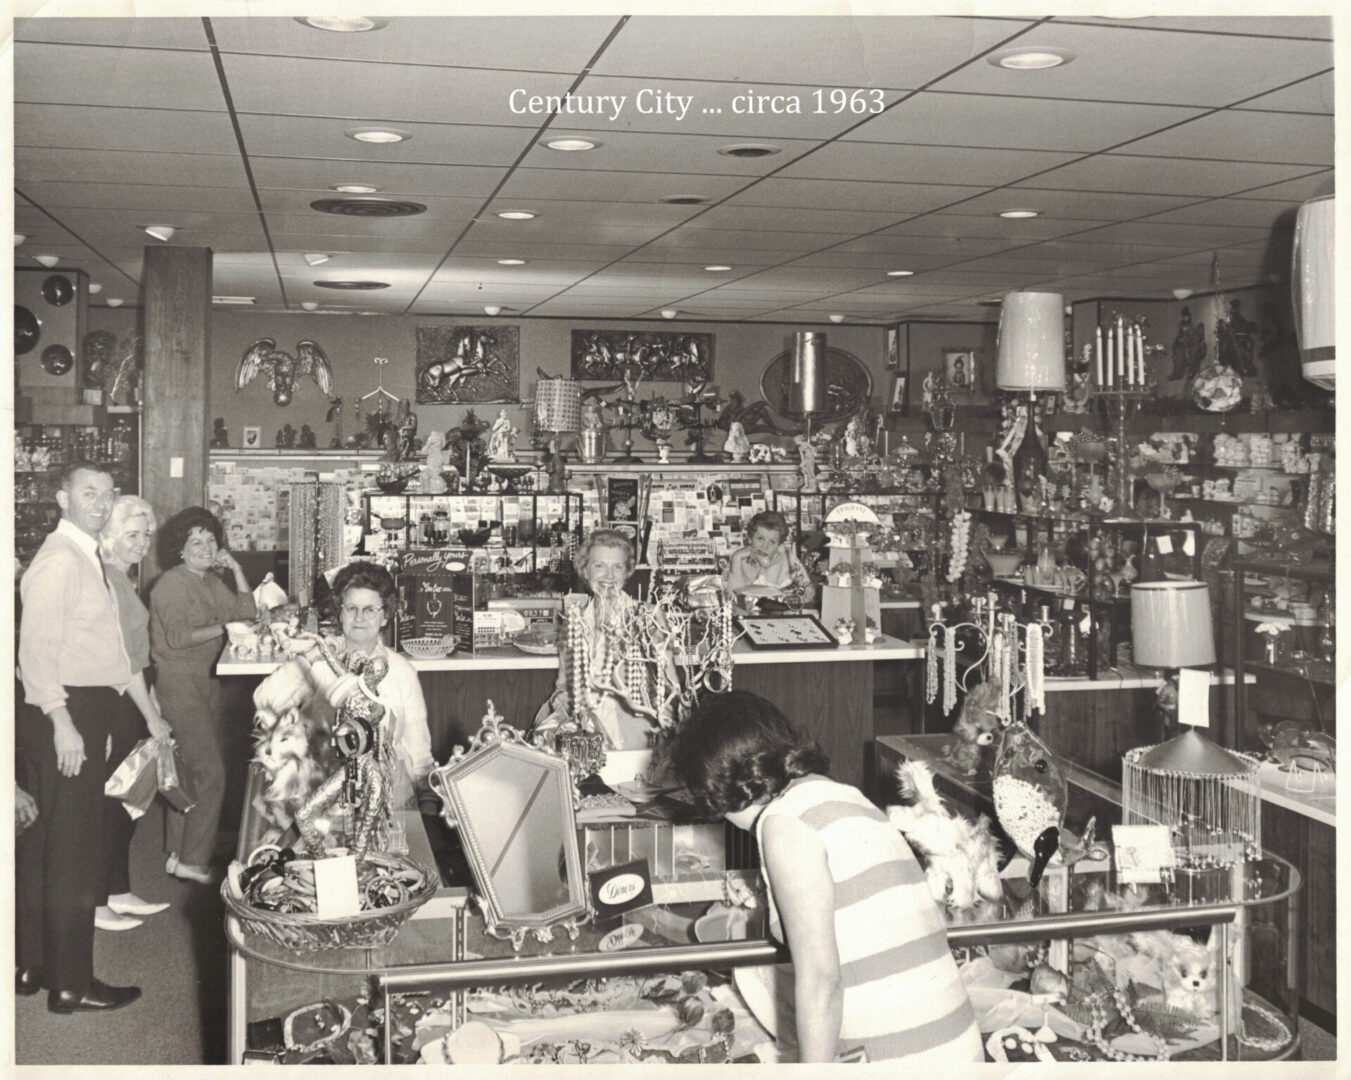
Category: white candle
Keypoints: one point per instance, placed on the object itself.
(1111, 364)
(1121, 348)
(1097, 352)
(1130, 356)
(1140, 353)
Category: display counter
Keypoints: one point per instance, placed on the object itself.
(827, 691)
(625, 973)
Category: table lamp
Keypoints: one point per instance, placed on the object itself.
(1312, 287)
(1031, 343)
(558, 411)
(807, 382)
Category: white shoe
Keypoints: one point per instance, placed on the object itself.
(171, 863)
(105, 918)
(131, 904)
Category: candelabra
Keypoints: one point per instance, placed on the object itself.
(1119, 404)
(691, 413)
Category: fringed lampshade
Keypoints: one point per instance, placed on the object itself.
(1312, 287)
(1031, 347)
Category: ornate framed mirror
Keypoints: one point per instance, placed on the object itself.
(513, 803)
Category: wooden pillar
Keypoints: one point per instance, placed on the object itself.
(176, 291)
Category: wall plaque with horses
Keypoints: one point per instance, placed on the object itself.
(457, 364)
(652, 356)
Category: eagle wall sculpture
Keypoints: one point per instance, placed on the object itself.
(283, 369)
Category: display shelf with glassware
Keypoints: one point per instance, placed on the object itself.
(521, 533)
(41, 450)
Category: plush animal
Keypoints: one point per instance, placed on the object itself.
(960, 856)
(1190, 974)
(287, 745)
(976, 727)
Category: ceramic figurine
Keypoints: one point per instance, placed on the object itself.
(432, 482)
(307, 439)
(807, 461)
(737, 446)
(220, 438)
(406, 423)
(501, 438)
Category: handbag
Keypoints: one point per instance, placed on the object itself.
(136, 779)
(172, 777)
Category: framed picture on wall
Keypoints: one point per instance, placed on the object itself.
(898, 402)
(960, 367)
(253, 438)
(893, 357)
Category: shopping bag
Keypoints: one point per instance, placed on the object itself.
(172, 775)
(136, 779)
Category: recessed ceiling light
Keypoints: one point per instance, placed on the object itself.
(308, 305)
(686, 200)
(234, 301)
(95, 287)
(515, 215)
(1026, 59)
(837, 318)
(572, 144)
(669, 313)
(716, 267)
(19, 238)
(339, 24)
(377, 135)
(1181, 294)
(1019, 213)
(316, 258)
(354, 189)
(48, 260)
(113, 301)
(510, 262)
(161, 232)
(749, 150)
(331, 283)
(900, 273)
(492, 309)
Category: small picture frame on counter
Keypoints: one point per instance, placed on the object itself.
(253, 437)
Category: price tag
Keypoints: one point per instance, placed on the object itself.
(1142, 852)
(621, 888)
(335, 887)
(1193, 697)
(1165, 543)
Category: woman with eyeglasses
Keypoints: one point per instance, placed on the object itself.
(364, 596)
(189, 607)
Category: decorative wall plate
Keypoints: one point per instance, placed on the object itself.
(27, 330)
(57, 360)
(58, 291)
(848, 383)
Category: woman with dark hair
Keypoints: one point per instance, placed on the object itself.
(189, 607)
(767, 565)
(364, 597)
(871, 968)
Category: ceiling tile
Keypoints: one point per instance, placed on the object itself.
(616, 186)
(923, 164)
(1174, 176)
(94, 127)
(141, 78)
(439, 208)
(877, 196)
(430, 144)
(644, 151)
(1305, 187)
(734, 215)
(393, 180)
(1317, 27)
(1314, 95)
(55, 195)
(1246, 136)
(1258, 213)
(1010, 230)
(128, 167)
(1081, 205)
(141, 33)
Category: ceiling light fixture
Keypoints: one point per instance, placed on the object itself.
(516, 215)
(340, 24)
(572, 145)
(717, 268)
(1026, 59)
(161, 232)
(669, 313)
(234, 301)
(510, 262)
(377, 135)
(113, 301)
(1019, 213)
(316, 258)
(685, 200)
(749, 150)
(837, 318)
(340, 283)
(19, 238)
(309, 305)
(1181, 294)
(900, 273)
(354, 189)
(48, 260)
(493, 309)
(95, 287)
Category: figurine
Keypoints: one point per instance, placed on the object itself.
(807, 461)
(664, 453)
(844, 631)
(853, 437)
(406, 423)
(556, 464)
(500, 439)
(432, 482)
(307, 440)
(286, 437)
(220, 438)
(737, 445)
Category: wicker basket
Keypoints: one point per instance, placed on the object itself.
(307, 932)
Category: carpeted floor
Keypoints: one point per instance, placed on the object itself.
(178, 958)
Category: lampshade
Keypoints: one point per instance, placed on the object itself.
(558, 405)
(807, 389)
(1031, 342)
(1171, 625)
(1313, 292)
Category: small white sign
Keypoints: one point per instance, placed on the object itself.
(1165, 543)
(1193, 697)
(1142, 852)
(335, 887)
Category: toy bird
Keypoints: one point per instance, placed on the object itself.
(283, 368)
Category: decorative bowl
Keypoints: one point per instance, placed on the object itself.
(428, 647)
(1004, 563)
(393, 487)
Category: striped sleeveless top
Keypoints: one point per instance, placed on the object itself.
(903, 996)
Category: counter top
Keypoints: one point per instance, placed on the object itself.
(1130, 677)
(1319, 805)
(511, 659)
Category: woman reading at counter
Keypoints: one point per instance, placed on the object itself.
(767, 565)
(871, 968)
(189, 607)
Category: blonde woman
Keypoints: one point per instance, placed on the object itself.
(123, 542)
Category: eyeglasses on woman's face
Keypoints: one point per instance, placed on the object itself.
(363, 611)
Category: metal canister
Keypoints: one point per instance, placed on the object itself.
(807, 389)
(591, 445)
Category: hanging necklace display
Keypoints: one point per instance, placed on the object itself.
(931, 659)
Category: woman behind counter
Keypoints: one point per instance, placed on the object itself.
(189, 607)
(871, 968)
(123, 543)
(767, 565)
